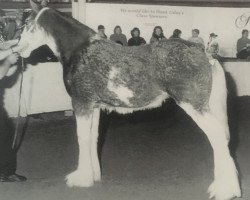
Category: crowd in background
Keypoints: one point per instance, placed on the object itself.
(212, 47)
(136, 39)
(11, 27)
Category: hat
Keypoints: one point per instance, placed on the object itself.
(100, 27)
(213, 35)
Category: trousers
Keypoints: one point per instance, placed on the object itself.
(7, 155)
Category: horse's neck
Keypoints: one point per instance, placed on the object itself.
(52, 45)
(67, 36)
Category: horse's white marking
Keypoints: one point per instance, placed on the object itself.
(217, 102)
(35, 37)
(154, 104)
(94, 141)
(50, 41)
(40, 13)
(215, 126)
(83, 176)
(122, 92)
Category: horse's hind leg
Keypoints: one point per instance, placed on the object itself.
(226, 184)
(214, 124)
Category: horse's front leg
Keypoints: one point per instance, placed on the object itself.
(94, 144)
(83, 176)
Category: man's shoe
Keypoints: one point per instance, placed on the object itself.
(12, 178)
(17, 178)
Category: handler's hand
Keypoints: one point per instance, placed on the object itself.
(13, 58)
(18, 48)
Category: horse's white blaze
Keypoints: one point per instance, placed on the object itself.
(214, 124)
(122, 92)
(94, 142)
(32, 38)
(83, 176)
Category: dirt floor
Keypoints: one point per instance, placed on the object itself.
(145, 156)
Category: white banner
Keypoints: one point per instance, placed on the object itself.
(221, 21)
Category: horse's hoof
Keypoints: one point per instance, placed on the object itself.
(79, 179)
(224, 191)
(97, 176)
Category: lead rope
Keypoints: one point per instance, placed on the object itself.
(14, 143)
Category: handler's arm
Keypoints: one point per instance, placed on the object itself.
(4, 68)
(6, 64)
(5, 53)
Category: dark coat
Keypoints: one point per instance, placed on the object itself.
(136, 41)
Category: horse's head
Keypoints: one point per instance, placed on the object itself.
(34, 35)
(60, 32)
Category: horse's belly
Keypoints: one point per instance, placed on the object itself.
(156, 102)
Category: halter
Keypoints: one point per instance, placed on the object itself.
(40, 13)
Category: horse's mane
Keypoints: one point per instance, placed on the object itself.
(69, 34)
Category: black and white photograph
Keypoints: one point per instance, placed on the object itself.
(124, 100)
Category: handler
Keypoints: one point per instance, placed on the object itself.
(8, 58)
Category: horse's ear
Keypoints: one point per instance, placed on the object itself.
(36, 7)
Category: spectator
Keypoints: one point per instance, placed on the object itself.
(2, 25)
(101, 31)
(44, 3)
(213, 46)
(243, 43)
(157, 35)
(118, 37)
(176, 34)
(195, 37)
(1, 35)
(13, 28)
(136, 40)
(244, 53)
